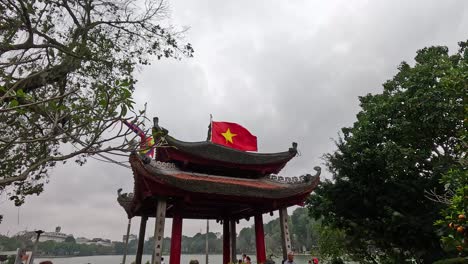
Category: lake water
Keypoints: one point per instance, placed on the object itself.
(185, 259)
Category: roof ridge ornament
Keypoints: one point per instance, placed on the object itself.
(157, 130)
(318, 170)
(293, 149)
(294, 180)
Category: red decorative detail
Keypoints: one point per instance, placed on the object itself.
(260, 239)
(242, 139)
(146, 143)
(176, 239)
(226, 242)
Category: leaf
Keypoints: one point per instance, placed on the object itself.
(20, 93)
(127, 93)
(123, 111)
(14, 103)
(103, 102)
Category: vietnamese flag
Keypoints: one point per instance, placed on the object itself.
(233, 135)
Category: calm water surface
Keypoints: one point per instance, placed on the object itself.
(117, 259)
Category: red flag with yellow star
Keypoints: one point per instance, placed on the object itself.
(233, 135)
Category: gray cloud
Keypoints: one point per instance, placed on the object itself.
(288, 71)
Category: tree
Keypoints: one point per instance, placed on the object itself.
(331, 243)
(9, 244)
(70, 239)
(272, 232)
(246, 240)
(66, 77)
(119, 248)
(402, 143)
(304, 229)
(454, 223)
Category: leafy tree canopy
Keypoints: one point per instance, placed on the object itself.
(402, 143)
(66, 76)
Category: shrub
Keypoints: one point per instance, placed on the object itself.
(452, 261)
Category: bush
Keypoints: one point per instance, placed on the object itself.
(337, 261)
(11, 259)
(452, 261)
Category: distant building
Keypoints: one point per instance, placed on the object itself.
(130, 237)
(56, 236)
(82, 240)
(94, 241)
(100, 242)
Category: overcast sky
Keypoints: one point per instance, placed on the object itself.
(286, 70)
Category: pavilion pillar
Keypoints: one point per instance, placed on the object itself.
(176, 239)
(260, 239)
(126, 241)
(226, 238)
(233, 241)
(206, 240)
(159, 230)
(285, 238)
(141, 239)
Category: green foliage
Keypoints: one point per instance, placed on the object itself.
(66, 78)
(452, 261)
(11, 260)
(246, 240)
(52, 248)
(272, 232)
(454, 224)
(9, 244)
(331, 243)
(404, 140)
(190, 245)
(337, 261)
(70, 239)
(304, 232)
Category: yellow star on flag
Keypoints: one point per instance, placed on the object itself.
(228, 136)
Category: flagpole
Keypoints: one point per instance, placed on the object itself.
(206, 241)
(211, 127)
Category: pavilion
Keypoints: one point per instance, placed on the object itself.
(202, 180)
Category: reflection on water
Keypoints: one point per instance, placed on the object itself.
(116, 259)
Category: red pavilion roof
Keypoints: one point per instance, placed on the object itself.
(198, 195)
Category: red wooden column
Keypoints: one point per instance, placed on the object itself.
(233, 241)
(260, 239)
(176, 239)
(226, 239)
